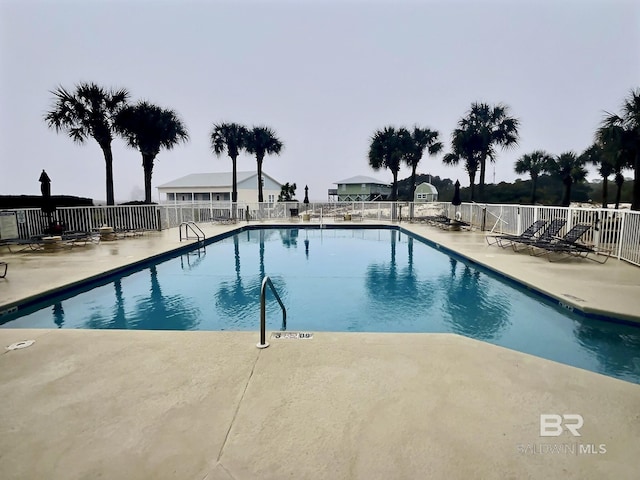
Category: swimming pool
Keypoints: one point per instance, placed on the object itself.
(351, 280)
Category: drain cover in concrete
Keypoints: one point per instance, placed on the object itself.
(19, 345)
(291, 335)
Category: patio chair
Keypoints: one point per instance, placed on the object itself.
(570, 246)
(545, 245)
(501, 240)
(17, 245)
(599, 255)
(73, 239)
(548, 234)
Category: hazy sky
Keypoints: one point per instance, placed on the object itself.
(324, 75)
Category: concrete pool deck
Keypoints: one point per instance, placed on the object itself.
(209, 405)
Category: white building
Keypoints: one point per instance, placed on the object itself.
(360, 189)
(216, 187)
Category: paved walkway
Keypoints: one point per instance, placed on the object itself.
(209, 405)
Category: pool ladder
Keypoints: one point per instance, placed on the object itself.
(195, 229)
(263, 311)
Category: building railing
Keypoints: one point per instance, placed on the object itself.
(615, 230)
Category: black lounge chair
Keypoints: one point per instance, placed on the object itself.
(437, 219)
(570, 246)
(583, 251)
(545, 245)
(534, 228)
(547, 235)
(17, 245)
(72, 239)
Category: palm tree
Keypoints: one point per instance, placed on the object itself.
(570, 168)
(629, 147)
(420, 139)
(387, 149)
(595, 155)
(462, 149)
(149, 128)
(616, 148)
(231, 137)
(489, 127)
(89, 112)
(261, 141)
(534, 164)
(287, 192)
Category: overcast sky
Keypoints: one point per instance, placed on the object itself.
(324, 75)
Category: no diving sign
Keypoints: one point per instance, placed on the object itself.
(291, 336)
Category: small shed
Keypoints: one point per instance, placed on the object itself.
(425, 192)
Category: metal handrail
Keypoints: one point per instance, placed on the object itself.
(191, 225)
(263, 311)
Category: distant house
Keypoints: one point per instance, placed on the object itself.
(425, 192)
(360, 189)
(216, 187)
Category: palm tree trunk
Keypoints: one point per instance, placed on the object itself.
(108, 160)
(635, 200)
(534, 182)
(619, 182)
(472, 181)
(147, 165)
(483, 166)
(413, 183)
(394, 190)
(234, 180)
(234, 188)
(566, 198)
(259, 158)
(605, 191)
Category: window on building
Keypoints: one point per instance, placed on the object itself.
(171, 196)
(200, 197)
(343, 187)
(271, 198)
(363, 187)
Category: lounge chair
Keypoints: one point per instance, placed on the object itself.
(437, 220)
(17, 245)
(73, 239)
(545, 245)
(548, 234)
(600, 255)
(501, 240)
(570, 246)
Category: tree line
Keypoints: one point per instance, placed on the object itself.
(91, 111)
(485, 129)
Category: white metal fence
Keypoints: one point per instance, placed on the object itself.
(617, 231)
(32, 221)
(614, 230)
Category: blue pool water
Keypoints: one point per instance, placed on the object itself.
(350, 280)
